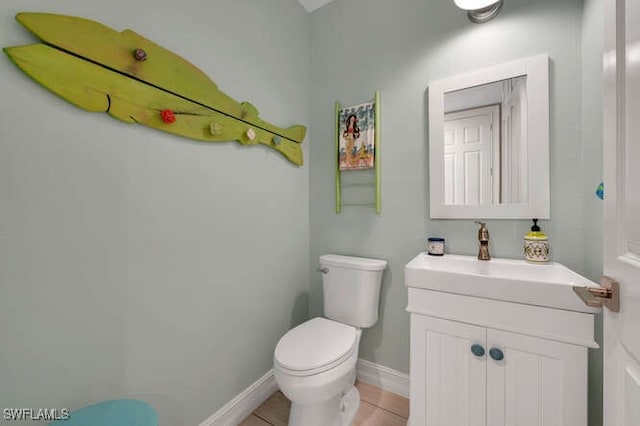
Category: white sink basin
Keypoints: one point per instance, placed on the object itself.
(548, 285)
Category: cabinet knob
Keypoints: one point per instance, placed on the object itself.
(496, 354)
(477, 350)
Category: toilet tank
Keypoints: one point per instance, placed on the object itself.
(351, 288)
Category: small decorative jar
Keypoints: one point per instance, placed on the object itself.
(435, 246)
(536, 245)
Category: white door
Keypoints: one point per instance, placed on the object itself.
(533, 382)
(514, 173)
(448, 373)
(622, 211)
(468, 155)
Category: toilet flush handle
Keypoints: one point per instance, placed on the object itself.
(323, 270)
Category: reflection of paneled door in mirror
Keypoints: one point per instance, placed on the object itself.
(469, 150)
(513, 149)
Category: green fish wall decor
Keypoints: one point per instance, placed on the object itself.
(137, 81)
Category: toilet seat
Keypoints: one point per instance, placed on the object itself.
(315, 346)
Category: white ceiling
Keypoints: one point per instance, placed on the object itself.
(312, 5)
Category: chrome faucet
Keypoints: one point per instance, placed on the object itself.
(483, 237)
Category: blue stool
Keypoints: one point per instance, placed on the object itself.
(117, 412)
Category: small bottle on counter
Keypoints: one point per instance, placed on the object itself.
(435, 246)
(536, 245)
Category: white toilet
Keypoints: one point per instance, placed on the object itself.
(315, 363)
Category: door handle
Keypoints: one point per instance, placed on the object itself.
(496, 354)
(477, 350)
(607, 295)
(323, 270)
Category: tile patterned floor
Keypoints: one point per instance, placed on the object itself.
(377, 408)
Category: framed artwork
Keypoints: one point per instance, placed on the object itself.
(357, 147)
(356, 134)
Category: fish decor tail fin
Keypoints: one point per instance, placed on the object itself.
(297, 133)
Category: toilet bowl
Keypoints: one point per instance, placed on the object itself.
(315, 362)
(315, 367)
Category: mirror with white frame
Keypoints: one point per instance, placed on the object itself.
(489, 142)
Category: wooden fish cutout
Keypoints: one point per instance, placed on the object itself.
(137, 81)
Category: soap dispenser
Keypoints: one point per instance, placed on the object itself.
(536, 245)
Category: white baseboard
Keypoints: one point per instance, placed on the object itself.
(242, 405)
(249, 399)
(383, 377)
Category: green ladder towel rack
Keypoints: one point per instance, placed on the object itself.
(375, 183)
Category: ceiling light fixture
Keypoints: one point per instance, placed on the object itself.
(480, 11)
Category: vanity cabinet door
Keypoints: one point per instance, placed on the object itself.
(448, 373)
(532, 381)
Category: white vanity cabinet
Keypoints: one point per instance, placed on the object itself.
(485, 362)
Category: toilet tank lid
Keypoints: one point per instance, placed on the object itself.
(352, 262)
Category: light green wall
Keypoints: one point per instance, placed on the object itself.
(399, 46)
(136, 263)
